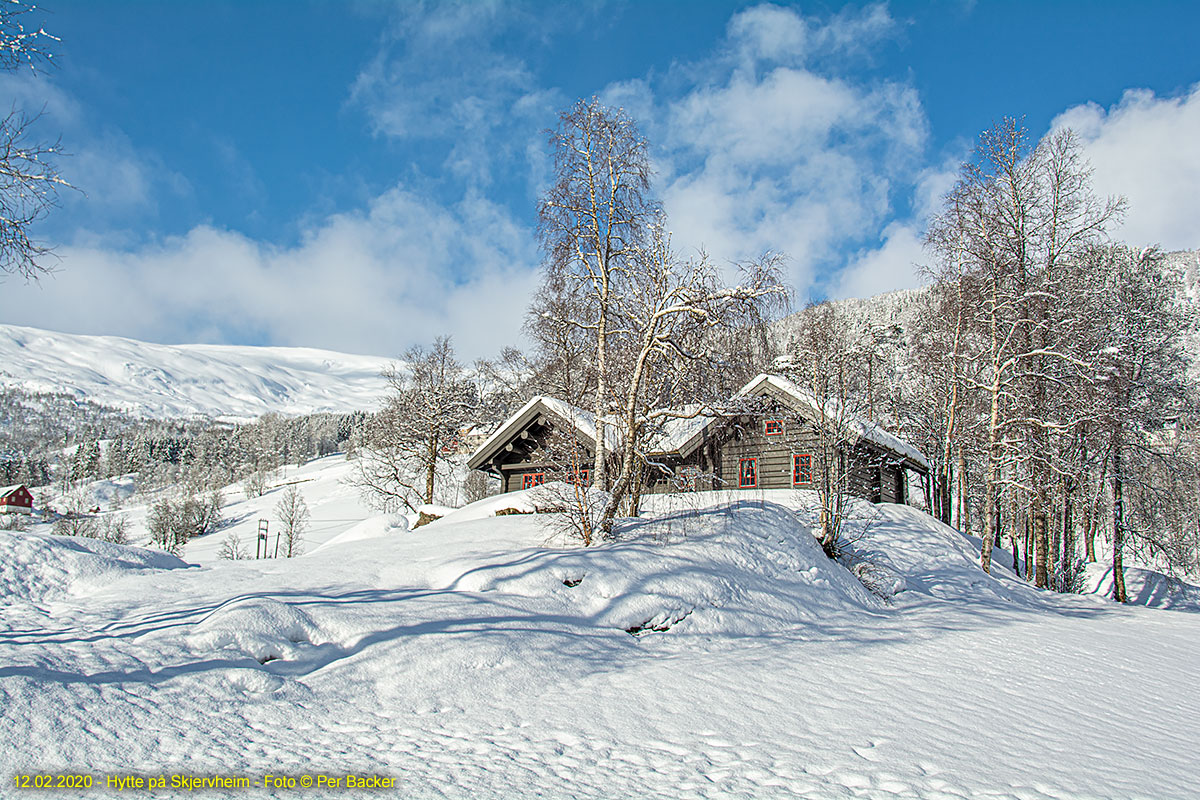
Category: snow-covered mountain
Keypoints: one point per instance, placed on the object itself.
(226, 382)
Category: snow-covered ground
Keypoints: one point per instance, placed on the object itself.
(226, 382)
(713, 651)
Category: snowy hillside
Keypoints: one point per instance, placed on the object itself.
(899, 309)
(189, 380)
(712, 651)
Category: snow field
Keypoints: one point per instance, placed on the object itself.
(225, 382)
(478, 657)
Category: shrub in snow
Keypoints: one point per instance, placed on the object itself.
(114, 528)
(14, 522)
(76, 524)
(232, 548)
(255, 484)
(173, 522)
(478, 485)
(573, 512)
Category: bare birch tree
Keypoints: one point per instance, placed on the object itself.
(647, 316)
(293, 515)
(408, 443)
(591, 221)
(1014, 221)
(826, 358)
(668, 314)
(1141, 371)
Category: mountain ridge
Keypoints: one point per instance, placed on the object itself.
(227, 382)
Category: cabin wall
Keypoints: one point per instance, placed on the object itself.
(874, 477)
(533, 455)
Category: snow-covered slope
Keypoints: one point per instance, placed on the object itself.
(712, 651)
(187, 380)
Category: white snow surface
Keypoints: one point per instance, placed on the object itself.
(371, 528)
(219, 381)
(478, 657)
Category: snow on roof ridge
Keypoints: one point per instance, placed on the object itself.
(678, 431)
(867, 430)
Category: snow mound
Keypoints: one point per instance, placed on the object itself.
(111, 492)
(35, 567)
(737, 570)
(373, 528)
(1145, 587)
(900, 549)
(260, 627)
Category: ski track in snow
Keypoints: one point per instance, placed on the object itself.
(454, 658)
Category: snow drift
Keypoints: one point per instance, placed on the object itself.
(35, 567)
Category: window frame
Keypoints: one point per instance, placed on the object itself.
(753, 460)
(767, 427)
(798, 469)
(527, 479)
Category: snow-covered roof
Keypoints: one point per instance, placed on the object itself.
(860, 427)
(583, 421)
(5, 491)
(679, 434)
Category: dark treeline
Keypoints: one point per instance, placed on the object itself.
(56, 438)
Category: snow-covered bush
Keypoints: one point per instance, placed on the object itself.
(14, 522)
(571, 511)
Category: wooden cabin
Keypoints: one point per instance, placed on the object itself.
(780, 441)
(16, 499)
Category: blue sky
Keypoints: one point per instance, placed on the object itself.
(364, 176)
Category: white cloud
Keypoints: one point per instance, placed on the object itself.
(1148, 149)
(769, 32)
(896, 263)
(768, 152)
(375, 282)
(760, 147)
(893, 265)
(450, 73)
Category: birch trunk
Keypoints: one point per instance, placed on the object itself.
(1118, 566)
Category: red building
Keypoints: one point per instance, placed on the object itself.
(15, 499)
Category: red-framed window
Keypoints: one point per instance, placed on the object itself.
(532, 479)
(801, 469)
(581, 478)
(773, 427)
(747, 473)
